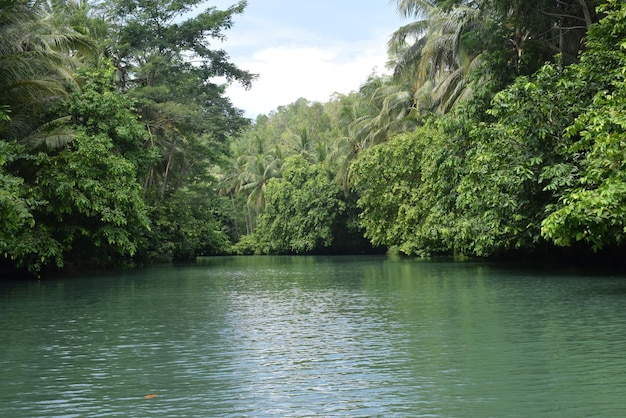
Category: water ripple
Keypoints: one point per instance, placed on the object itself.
(315, 337)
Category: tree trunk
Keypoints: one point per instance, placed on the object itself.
(167, 169)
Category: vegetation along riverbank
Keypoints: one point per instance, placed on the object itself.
(500, 131)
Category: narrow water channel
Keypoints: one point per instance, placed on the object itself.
(315, 336)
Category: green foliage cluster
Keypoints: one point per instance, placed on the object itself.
(591, 208)
(185, 225)
(542, 166)
(110, 135)
(302, 209)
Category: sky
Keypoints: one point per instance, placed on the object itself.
(306, 48)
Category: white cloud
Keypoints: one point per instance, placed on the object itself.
(313, 60)
(287, 73)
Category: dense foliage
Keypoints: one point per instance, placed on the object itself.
(501, 130)
(301, 209)
(494, 136)
(111, 125)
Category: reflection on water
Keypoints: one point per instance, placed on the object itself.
(315, 336)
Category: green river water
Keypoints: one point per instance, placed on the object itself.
(315, 336)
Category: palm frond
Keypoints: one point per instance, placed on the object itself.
(415, 8)
(53, 135)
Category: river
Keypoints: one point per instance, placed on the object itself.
(315, 336)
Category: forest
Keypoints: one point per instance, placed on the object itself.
(498, 131)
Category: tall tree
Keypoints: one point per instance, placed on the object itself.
(86, 17)
(167, 63)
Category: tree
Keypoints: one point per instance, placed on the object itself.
(15, 205)
(84, 198)
(591, 205)
(456, 45)
(382, 109)
(384, 177)
(302, 210)
(437, 54)
(185, 226)
(167, 64)
(84, 17)
(94, 198)
(259, 170)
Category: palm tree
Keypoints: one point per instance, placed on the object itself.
(259, 170)
(85, 18)
(436, 54)
(303, 142)
(37, 58)
(450, 40)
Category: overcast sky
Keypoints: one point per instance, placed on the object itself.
(306, 48)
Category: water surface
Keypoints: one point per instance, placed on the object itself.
(315, 336)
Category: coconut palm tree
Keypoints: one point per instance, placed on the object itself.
(303, 142)
(37, 58)
(86, 18)
(259, 170)
(452, 41)
(436, 53)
